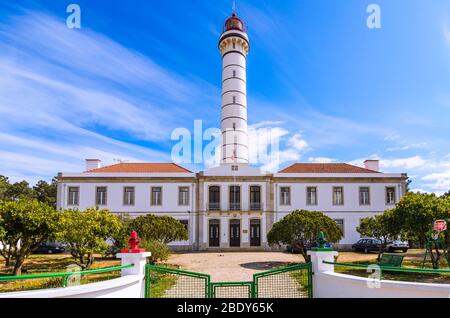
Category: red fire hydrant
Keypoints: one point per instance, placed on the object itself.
(133, 241)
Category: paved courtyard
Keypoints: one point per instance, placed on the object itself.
(233, 266)
(240, 266)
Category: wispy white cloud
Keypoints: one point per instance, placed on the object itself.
(446, 32)
(429, 174)
(419, 145)
(65, 92)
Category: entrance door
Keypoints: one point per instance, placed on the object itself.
(255, 233)
(214, 233)
(235, 233)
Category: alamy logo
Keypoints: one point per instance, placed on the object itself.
(73, 21)
(374, 280)
(206, 146)
(374, 18)
(75, 278)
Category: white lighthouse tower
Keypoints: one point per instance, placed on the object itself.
(234, 47)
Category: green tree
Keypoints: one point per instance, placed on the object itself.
(383, 227)
(417, 212)
(301, 228)
(46, 192)
(86, 233)
(24, 225)
(4, 186)
(408, 185)
(446, 194)
(120, 238)
(164, 229)
(19, 190)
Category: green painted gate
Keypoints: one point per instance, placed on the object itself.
(287, 282)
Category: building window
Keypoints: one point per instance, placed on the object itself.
(234, 45)
(234, 73)
(235, 197)
(183, 196)
(234, 99)
(74, 195)
(156, 196)
(214, 198)
(285, 196)
(311, 196)
(234, 126)
(338, 195)
(234, 168)
(100, 198)
(128, 196)
(186, 225)
(255, 198)
(364, 196)
(390, 196)
(340, 224)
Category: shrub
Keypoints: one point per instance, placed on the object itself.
(160, 251)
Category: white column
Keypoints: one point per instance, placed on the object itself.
(224, 231)
(138, 259)
(319, 267)
(263, 229)
(245, 224)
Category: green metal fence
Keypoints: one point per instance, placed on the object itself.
(287, 282)
(232, 290)
(392, 268)
(63, 275)
(164, 282)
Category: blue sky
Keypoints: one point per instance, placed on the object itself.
(334, 89)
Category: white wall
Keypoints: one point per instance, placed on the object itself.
(325, 197)
(328, 284)
(124, 287)
(142, 196)
(351, 221)
(351, 211)
(142, 206)
(334, 285)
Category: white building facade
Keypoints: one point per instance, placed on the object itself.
(234, 206)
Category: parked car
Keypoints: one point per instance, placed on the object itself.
(397, 246)
(293, 250)
(49, 248)
(366, 245)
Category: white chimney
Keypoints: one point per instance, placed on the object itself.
(92, 164)
(372, 165)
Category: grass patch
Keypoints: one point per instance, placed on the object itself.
(55, 263)
(302, 278)
(160, 283)
(413, 262)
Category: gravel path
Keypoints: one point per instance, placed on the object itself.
(233, 266)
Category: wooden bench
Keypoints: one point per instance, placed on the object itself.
(392, 260)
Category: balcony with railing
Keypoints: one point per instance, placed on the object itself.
(214, 206)
(235, 206)
(255, 206)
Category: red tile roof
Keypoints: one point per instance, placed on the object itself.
(325, 168)
(141, 168)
